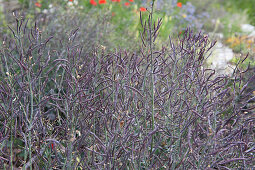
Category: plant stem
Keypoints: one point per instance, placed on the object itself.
(152, 77)
(10, 81)
(31, 116)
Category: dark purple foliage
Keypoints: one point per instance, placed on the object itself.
(92, 109)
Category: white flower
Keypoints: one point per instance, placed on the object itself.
(75, 2)
(45, 11)
(70, 3)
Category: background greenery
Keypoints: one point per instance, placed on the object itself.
(123, 21)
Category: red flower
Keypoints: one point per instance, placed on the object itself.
(52, 146)
(102, 2)
(118, 0)
(143, 9)
(179, 4)
(131, 0)
(71, 0)
(38, 4)
(127, 4)
(93, 2)
(113, 14)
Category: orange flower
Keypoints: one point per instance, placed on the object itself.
(93, 2)
(127, 4)
(118, 0)
(143, 9)
(102, 2)
(131, 0)
(38, 4)
(179, 4)
(121, 124)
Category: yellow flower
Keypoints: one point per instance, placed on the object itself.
(184, 15)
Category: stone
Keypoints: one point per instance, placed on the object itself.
(247, 28)
(220, 58)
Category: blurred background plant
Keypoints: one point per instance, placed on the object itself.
(122, 17)
(234, 6)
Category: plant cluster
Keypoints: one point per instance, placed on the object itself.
(65, 106)
(241, 43)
